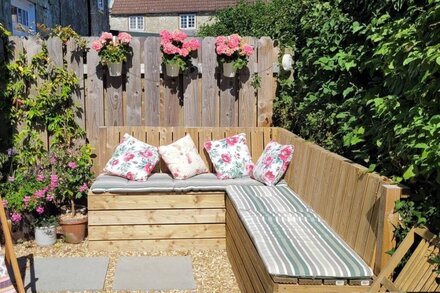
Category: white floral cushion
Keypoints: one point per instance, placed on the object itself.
(273, 163)
(230, 156)
(132, 159)
(182, 158)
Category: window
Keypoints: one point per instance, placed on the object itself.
(187, 21)
(101, 4)
(23, 17)
(20, 16)
(136, 23)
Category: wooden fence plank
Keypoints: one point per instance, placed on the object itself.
(191, 94)
(94, 100)
(228, 100)
(152, 63)
(33, 46)
(265, 92)
(171, 101)
(113, 115)
(133, 109)
(55, 50)
(75, 62)
(247, 100)
(209, 84)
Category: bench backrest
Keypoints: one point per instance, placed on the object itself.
(357, 204)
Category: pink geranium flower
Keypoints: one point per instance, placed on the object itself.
(106, 36)
(248, 50)
(97, 45)
(124, 38)
(178, 36)
(226, 158)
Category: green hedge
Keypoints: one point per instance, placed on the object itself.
(366, 84)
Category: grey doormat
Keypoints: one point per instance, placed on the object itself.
(55, 274)
(154, 273)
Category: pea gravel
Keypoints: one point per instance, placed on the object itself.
(211, 268)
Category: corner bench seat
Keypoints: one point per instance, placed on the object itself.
(291, 239)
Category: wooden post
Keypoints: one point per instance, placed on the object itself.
(385, 228)
(10, 256)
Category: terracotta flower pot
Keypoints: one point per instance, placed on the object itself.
(74, 229)
(228, 69)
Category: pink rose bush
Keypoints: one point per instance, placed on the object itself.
(233, 49)
(113, 49)
(176, 48)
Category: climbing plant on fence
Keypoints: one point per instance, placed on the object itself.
(366, 84)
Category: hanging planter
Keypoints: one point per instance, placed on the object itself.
(113, 51)
(45, 235)
(177, 51)
(228, 69)
(115, 69)
(172, 70)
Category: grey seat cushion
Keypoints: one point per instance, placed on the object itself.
(157, 182)
(209, 182)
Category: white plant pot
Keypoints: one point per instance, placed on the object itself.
(228, 69)
(45, 236)
(114, 69)
(172, 70)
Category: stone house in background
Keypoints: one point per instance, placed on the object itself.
(87, 17)
(149, 17)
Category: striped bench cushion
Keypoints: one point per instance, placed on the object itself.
(291, 238)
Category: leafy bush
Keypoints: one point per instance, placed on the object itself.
(366, 84)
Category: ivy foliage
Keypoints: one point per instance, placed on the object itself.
(366, 84)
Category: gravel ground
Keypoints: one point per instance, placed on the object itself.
(211, 268)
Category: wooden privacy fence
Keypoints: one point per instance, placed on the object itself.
(201, 96)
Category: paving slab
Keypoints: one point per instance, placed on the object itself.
(154, 273)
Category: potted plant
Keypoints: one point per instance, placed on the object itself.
(176, 51)
(113, 51)
(29, 196)
(72, 167)
(232, 53)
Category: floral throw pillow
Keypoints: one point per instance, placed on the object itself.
(230, 156)
(132, 159)
(273, 163)
(182, 158)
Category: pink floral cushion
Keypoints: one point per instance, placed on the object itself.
(132, 159)
(182, 158)
(273, 163)
(230, 156)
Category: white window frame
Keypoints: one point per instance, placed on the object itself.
(28, 8)
(101, 5)
(186, 18)
(139, 23)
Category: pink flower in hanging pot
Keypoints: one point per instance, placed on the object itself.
(125, 38)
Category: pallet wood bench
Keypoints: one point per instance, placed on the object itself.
(356, 204)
